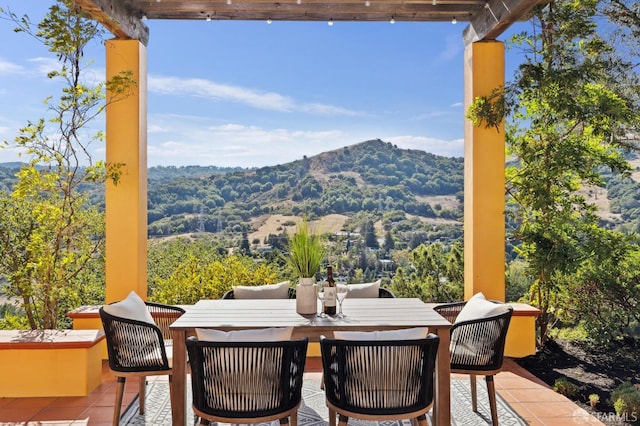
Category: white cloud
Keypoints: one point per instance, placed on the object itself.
(10, 154)
(195, 140)
(446, 148)
(202, 88)
(192, 140)
(7, 68)
(45, 65)
(156, 128)
(322, 109)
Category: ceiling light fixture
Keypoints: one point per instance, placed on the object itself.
(486, 5)
(392, 21)
(330, 23)
(434, 2)
(269, 21)
(144, 17)
(208, 18)
(367, 3)
(454, 20)
(298, 1)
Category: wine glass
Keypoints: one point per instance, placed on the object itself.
(320, 295)
(341, 293)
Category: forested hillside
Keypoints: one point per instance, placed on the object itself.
(372, 176)
(414, 194)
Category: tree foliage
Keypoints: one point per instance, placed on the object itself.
(199, 271)
(372, 176)
(569, 122)
(438, 274)
(51, 236)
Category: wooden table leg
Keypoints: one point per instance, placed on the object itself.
(179, 379)
(442, 403)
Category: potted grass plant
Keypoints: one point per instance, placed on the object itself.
(306, 254)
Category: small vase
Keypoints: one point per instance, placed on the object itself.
(306, 296)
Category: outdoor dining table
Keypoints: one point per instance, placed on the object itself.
(361, 315)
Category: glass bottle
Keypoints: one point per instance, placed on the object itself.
(330, 293)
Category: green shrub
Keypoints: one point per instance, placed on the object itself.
(594, 399)
(564, 387)
(626, 400)
(195, 279)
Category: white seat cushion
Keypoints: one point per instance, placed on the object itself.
(268, 291)
(402, 334)
(364, 290)
(132, 307)
(478, 307)
(274, 334)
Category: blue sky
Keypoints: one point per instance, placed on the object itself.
(256, 94)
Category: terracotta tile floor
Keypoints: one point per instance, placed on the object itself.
(526, 394)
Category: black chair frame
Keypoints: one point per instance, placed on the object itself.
(377, 379)
(477, 348)
(137, 349)
(247, 382)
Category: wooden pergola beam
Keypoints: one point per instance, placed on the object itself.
(116, 18)
(497, 17)
(487, 19)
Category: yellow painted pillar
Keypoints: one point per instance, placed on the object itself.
(126, 202)
(484, 178)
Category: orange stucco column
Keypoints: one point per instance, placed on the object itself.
(126, 202)
(484, 178)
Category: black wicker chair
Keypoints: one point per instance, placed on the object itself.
(379, 379)
(247, 382)
(385, 293)
(477, 348)
(139, 349)
(230, 295)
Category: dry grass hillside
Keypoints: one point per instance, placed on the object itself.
(277, 223)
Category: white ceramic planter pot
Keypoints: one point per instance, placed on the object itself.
(306, 296)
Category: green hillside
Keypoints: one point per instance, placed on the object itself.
(371, 177)
(415, 195)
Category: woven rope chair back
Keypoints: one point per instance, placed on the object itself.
(379, 377)
(450, 311)
(133, 346)
(246, 379)
(164, 316)
(478, 345)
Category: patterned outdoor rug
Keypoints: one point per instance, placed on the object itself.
(313, 411)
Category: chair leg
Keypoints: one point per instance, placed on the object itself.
(118, 405)
(421, 420)
(294, 418)
(170, 387)
(332, 417)
(284, 421)
(142, 392)
(343, 420)
(474, 393)
(491, 390)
